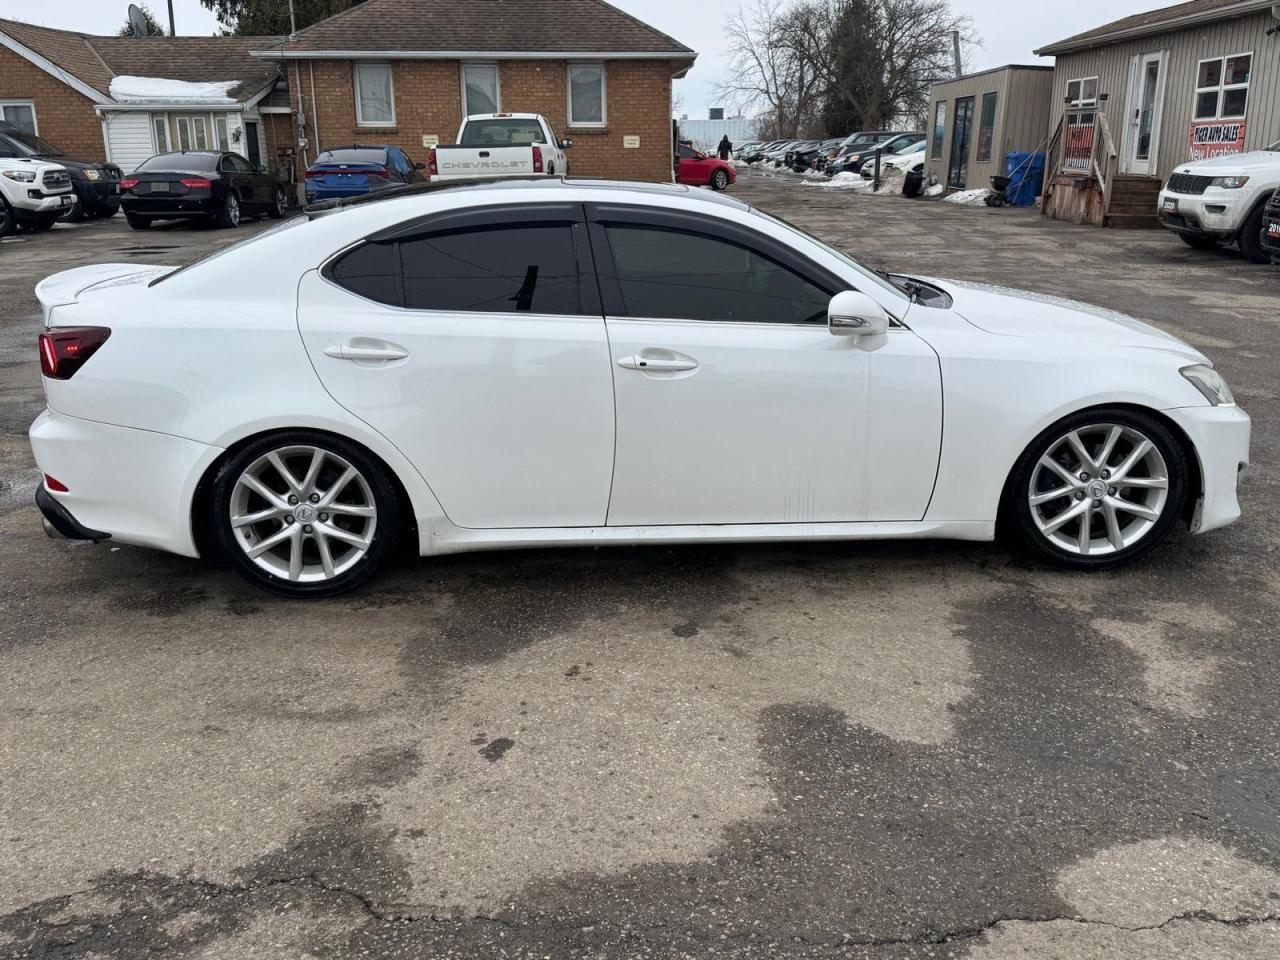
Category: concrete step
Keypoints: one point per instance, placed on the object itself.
(1143, 207)
(1132, 221)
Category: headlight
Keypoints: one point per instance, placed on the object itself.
(1230, 183)
(1209, 382)
(22, 176)
(92, 174)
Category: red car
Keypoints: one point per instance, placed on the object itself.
(700, 170)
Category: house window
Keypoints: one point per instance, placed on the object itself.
(375, 95)
(986, 127)
(586, 95)
(193, 133)
(20, 113)
(1222, 87)
(1082, 92)
(220, 125)
(160, 128)
(480, 90)
(939, 129)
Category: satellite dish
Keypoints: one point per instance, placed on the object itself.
(138, 21)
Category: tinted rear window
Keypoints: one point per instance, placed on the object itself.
(370, 271)
(353, 156)
(180, 162)
(501, 133)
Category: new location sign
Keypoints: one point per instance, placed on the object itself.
(1215, 138)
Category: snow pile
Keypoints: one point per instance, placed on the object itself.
(844, 181)
(934, 190)
(969, 198)
(159, 90)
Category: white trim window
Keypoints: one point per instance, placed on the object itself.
(1082, 92)
(192, 132)
(1222, 87)
(375, 95)
(220, 126)
(587, 106)
(481, 89)
(160, 132)
(20, 113)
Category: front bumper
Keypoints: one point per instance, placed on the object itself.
(136, 486)
(37, 201)
(1220, 436)
(1215, 213)
(98, 195)
(1271, 228)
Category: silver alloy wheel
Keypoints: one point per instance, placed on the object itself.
(1098, 489)
(303, 514)
(233, 209)
(280, 201)
(721, 180)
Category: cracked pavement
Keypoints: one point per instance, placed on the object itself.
(878, 750)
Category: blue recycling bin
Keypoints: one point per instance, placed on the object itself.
(1025, 171)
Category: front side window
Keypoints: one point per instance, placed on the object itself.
(375, 95)
(480, 92)
(939, 129)
(986, 126)
(673, 274)
(19, 113)
(586, 95)
(1222, 87)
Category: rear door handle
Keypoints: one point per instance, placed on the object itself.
(657, 364)
(348, 351)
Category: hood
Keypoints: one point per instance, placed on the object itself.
(1255, 161)
(29, 163)
(70, 286)
(77, 168)
(1019, 313)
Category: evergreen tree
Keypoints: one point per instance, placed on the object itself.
(264, 18)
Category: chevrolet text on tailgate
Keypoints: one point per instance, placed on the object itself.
(501, 145)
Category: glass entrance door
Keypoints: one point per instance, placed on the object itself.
(961, 136)
(1145, 89)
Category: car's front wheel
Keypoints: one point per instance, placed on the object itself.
(6, 218)
(1099, 488)
(1198, 241)
(305, 514)
(1251, 237)
(720, 180)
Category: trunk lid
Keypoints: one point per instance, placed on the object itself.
(71, 286)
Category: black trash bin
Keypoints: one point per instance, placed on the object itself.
(913, 183)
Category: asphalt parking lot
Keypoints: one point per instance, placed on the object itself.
(891, 751)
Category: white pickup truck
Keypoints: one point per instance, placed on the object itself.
(501, 145)
(33, 192)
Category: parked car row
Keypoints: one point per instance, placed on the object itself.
(40, 185)
(829, 157)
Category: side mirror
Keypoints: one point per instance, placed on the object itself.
(419, 166)
(566, 144)
(853, 314)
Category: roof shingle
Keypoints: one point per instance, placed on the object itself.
(1153, 19)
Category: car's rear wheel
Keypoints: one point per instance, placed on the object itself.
(137, 222)
(1099, 488)
(279, 204)
(305, 514)
(1200, 242)
(229, 214)
(1251, 238)
(720, 180)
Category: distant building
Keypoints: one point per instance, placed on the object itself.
(705, 134)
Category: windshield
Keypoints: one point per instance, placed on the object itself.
(29, 145)
(502, 133)
(870, 275)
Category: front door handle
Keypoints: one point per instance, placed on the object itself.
(351, 351)
(657, 364)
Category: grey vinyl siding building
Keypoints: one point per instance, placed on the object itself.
(976, 120)
(1204, 70)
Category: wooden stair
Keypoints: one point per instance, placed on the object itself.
(1133, 203)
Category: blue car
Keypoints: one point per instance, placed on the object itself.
(354, 171)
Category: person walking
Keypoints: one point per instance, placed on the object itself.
(726, 148)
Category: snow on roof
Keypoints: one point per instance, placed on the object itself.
(160, 90)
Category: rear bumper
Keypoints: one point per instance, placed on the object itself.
(1221, 438)
(168, 206)
(135, 486)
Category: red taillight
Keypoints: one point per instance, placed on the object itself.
(431, 163)
(128, 183)
(64, 350)
(537, 159)
(314, 174)
(379, 175)
(57, 486)
(196, 183)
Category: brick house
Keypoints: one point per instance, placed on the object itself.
(124, 99)
(405, 72)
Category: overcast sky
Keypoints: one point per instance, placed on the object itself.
(1009, 29)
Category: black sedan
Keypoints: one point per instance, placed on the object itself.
(200, 185)
(96, 185)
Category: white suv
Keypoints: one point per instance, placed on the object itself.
(33, 192)
(1220, 200)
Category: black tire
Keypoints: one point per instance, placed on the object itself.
(42, 222)
(381, 490)
(228, 215)
(719, 180)
(76, 214)
(137, 222)
(1017, 510)
(279, 203)
(6, 218)
(1198, 241)
(1251, 238)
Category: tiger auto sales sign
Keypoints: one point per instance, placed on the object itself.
(1215, 138)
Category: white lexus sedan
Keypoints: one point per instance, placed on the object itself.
(532, 363)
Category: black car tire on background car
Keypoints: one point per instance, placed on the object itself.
(229, 215)
(278, 205)
(719, 180)
(1251, 237)
(76, 214)
(43, 221)
(6, 218)
(1198, 241)
(1017, 500)
(137, 222)
(370, 474)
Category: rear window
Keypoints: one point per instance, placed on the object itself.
(502, 133)
(359, 155)
(180, 162)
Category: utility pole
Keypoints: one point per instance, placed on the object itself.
(172, 31)
(293, 22)
(955, 49)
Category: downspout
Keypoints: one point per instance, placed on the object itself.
(300, 129)
(315, 117)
